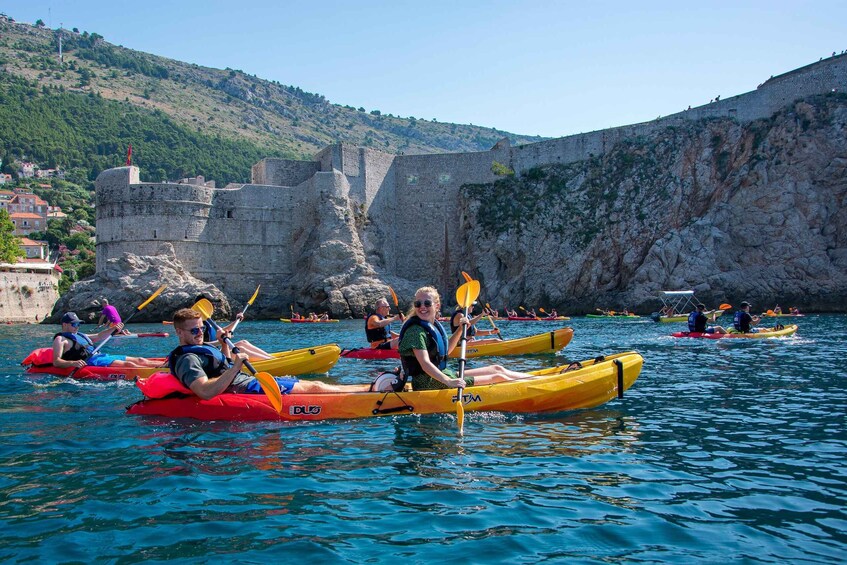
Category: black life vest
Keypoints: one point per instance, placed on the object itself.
(217, 365)
(454, 327)
(436, 346)
(82, 346)
(377, 334)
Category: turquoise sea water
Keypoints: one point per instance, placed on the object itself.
(722, 452)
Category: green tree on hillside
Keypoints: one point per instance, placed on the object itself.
(10, 248)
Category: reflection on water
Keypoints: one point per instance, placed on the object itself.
(722, 451)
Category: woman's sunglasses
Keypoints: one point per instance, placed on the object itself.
(427, 303)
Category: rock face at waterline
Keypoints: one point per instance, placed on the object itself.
(735, 212)
(126, 282)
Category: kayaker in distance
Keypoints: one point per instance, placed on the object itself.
(110, 314)
(698, 322)
(777, 309)
(424, 346)
(378, 327)
(743, 321)
(208, 372)
(473, 332)
(74, 349)
(210, 335)
(511, 313)
(794, 311)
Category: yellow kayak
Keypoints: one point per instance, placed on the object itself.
(549, 342)
(318, 359)
(589, 384)
(763, 333)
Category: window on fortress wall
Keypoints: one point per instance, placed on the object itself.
(155, 234)
(229, 213)
(443, 178)
(412, 180)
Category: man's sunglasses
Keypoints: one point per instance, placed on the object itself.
(194, 330)
(75, 324)
(427, 303)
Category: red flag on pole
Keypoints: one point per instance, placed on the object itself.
(129, 155)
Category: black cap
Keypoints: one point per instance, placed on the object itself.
(701, 306)
(70, 318)
(745, 304)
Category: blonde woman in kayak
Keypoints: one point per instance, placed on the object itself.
(424, 346)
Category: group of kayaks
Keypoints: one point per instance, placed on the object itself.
(563, 387)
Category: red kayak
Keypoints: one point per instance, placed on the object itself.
(368, 353)
(531, 319)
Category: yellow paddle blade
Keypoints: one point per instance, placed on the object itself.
(204, 308)
(271, 389)
(468, 278)
(725, 306)
(152, 296)
(460, 413)
(540, 309)
(521, 308)
(467, 293)
(255, 294)
(394, 297)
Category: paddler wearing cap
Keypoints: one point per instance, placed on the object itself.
(74, 349)
(743, 321)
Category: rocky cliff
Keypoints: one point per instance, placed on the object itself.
(128, 281)
(734, 211)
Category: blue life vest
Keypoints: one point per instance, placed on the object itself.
(697, 322)
(210, 334)
(436, 346)
(742, 320)
(82, 347)
(215, 368)
(377, 334)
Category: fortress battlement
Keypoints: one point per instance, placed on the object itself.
(375, 203)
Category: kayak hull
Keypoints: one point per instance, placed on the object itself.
(602, 316)
(530, 319)
(290, 321)
(553, 391)
(785, 332)
(318, 359)
(548, 342)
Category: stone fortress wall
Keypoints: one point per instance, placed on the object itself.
(402, 209)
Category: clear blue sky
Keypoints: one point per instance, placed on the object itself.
(535, 67)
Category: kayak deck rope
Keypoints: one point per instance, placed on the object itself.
(405, 408)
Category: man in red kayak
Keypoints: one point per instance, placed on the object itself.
(378, 327)
(698, 322)
(209, 371)
(74, 349)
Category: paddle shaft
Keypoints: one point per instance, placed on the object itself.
(233, 347)
(249, 302)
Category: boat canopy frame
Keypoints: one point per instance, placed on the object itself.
(680, 300)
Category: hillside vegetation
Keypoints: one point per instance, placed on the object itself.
(182, 119)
